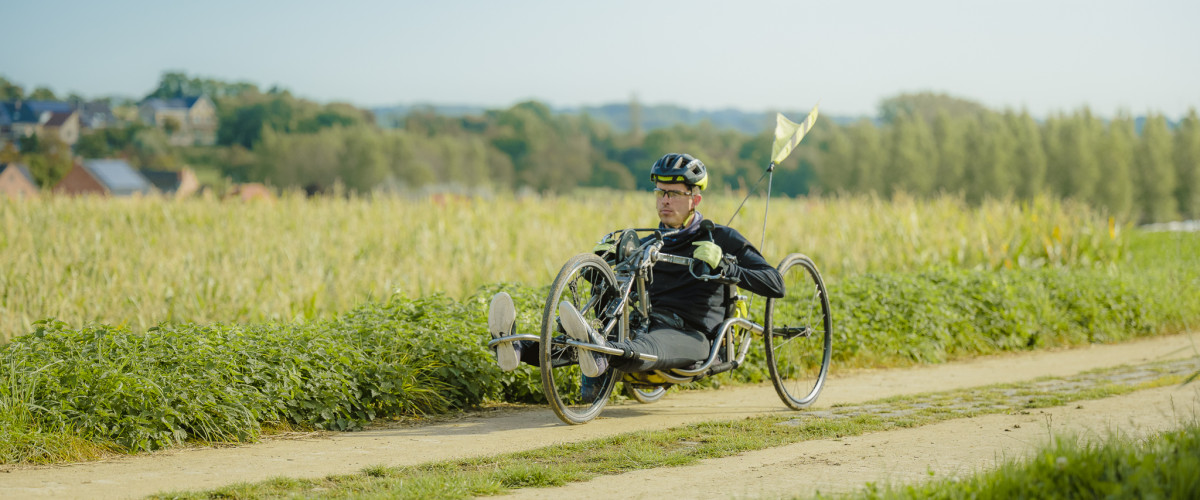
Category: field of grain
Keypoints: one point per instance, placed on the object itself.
(140, 262)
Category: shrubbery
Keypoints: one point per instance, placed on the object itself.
(419, 356)
(929, 317)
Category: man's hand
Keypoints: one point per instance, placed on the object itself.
(708, 252)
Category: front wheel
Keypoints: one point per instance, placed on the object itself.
(798, 333)
(587, 283)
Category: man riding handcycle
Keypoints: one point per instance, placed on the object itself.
(664, 308)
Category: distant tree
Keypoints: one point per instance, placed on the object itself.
(613, 174)
(10, 91)
(9, 153)
(242, 119)
(635, 117)
(1115, 190)
(1029, 156)
(42, 94)
(949, 134)
(172, 84)
(912, 157)
(869, 157)
(151, 148)
(329, 118)
(926, 105)
(361, 163)
(1088, 135)
(548, 153)
(241, 126)
(31, 143)
(404, 171)
(171, 125)
(237, 163)
(76, 100)
(1073, 168)
(426, 121)
(990, 145)
(92, 145)
(1155, 172)
(1187, 165)
(833, 171)
(48, 158)
(176, 84)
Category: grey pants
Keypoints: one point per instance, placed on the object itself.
(676, 346)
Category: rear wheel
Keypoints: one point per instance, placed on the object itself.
(798, 333)
(587, 282)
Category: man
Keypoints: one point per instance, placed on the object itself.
(685, 312)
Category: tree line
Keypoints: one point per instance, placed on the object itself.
(922, 145)
(1143, 170)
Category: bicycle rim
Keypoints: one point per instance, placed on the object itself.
(586, 282)
(799, 338)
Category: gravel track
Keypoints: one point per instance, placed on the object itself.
(824, 464)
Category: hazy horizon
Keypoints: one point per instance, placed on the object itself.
(754, 56)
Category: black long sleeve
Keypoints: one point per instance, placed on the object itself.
(702, 303)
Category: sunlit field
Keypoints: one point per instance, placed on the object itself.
(140, 262)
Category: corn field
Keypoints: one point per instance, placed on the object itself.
(143, 261)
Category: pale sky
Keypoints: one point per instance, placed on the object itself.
(1044, 56)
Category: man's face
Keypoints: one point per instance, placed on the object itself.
(675, 203)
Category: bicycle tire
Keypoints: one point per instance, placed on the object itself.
(561, 380)
(798, 333)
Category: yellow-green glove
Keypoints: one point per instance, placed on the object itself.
(605, 246)
(708, 252)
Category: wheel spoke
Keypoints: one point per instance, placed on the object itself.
(582, 282)
(797, 356)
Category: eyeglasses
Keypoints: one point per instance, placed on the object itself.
(671, 194)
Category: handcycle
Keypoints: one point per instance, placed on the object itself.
(612, 296)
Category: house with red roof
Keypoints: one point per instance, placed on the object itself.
(16, 181)
(103, 178)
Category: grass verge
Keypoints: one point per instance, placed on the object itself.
(128, 391)
(1166, 465)
(560, 464)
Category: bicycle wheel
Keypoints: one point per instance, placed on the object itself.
(799, 333)
(645, 396)
(587, 283)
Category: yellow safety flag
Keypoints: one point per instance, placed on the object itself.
(788, 134)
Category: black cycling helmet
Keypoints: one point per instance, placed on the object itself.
(675, 167)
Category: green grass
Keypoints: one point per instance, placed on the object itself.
(1165, 465)
(122, 390)
(581, 461)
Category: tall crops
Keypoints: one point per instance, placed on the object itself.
(141, 262)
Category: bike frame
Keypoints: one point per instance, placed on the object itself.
(733, 337)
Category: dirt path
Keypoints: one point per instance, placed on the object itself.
(515, 430)
(951, 448)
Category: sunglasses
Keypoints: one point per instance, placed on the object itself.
(671, 194)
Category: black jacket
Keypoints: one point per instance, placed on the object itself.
(701, 304)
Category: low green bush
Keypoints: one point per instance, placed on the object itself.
(934, 316)
(222, 382)
(427, 355)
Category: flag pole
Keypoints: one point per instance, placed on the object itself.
(788, 134)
